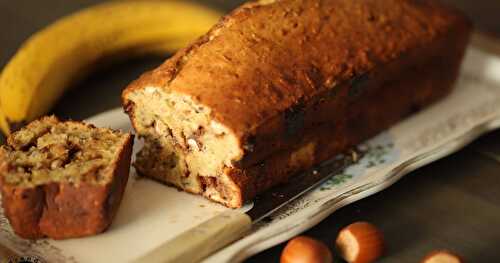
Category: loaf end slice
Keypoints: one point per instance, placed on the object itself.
(63, 179)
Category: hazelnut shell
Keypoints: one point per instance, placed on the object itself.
(303, 249)
(360, 242)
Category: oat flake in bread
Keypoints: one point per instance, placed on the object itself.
(63, 179)
(279, 86)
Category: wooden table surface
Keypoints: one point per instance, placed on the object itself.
(451, 204)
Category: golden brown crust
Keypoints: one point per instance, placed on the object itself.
(291, 72)
(309, 45)
(384, 105)
(63, 210)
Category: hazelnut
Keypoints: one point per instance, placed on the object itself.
(56, 164)
(306, 250)
(442, 256)
(360, 242)
(193, 144)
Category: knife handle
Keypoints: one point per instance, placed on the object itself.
(202, 240)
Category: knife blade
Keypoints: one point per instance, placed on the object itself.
(223, 229)
(272, 200)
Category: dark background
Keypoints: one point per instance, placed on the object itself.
(451, 204)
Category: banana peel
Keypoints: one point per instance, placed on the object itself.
(53, 58)
(4, 125)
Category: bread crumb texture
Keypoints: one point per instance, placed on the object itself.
(51, 151)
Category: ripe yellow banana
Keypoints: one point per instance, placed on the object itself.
(53, 58)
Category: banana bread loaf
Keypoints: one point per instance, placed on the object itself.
(278, 86)
(63, 179)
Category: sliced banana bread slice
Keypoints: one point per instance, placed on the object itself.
(63, 179)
